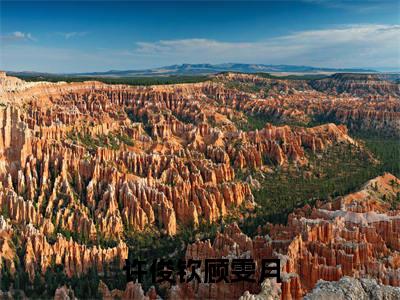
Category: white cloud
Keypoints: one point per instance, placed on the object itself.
(18, 36)
(367, 46)
(357, 45)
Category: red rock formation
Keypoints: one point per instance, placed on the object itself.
(362, 102)
(91, 161)
(357, 84)
(326, 242)
(170, 172)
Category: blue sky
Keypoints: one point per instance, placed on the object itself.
(78, 36)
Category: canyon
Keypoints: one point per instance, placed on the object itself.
(85, 164)
(356, 235)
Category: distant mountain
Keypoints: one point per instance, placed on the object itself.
(202, 69)
(205, 69)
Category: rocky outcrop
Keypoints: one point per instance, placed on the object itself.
(64, 293)
(353, 288)
(269, 291)
(133, 291)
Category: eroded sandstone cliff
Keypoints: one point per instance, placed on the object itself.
(82, 164)
(357, 235)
